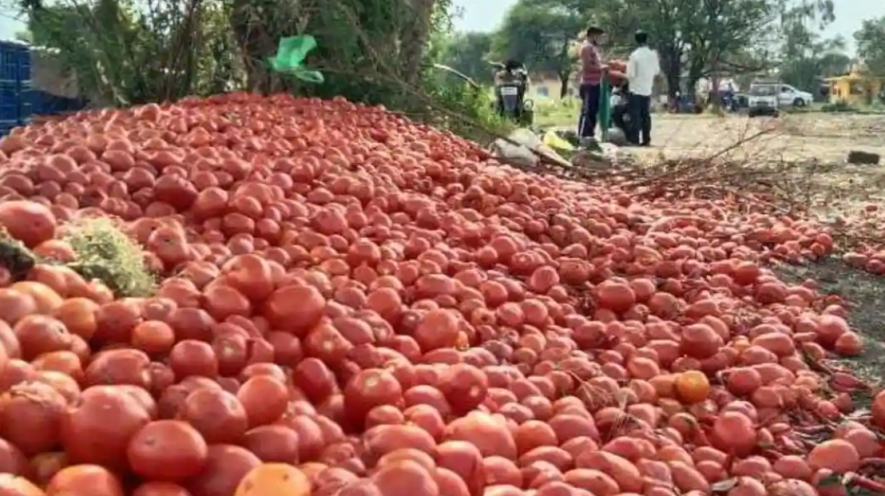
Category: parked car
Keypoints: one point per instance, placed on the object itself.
(790, 96)
(762, 99)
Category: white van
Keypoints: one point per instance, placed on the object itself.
(762, 100)
(790, 96)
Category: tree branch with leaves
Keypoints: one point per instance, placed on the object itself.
(540, 33)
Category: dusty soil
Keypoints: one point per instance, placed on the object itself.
(862, 289)
(825, 137)
(814, 145)
(817, 144)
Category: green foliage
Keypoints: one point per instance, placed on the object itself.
(464, 100)
(469, 53)
(805, 55)
(702, 38)
(694, 37)
(541, 33)
(123, 55)
(372, 51)
(870, 41)
(105, 253)
(838, 107)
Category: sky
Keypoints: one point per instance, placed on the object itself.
(486, 15)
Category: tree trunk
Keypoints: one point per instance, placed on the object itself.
(563, 84)
(695, 73)
(414, 40)
(714, 89)
(671, 65)
(252, 39)
(257, 28)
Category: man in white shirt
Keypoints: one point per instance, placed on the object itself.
(642, 69)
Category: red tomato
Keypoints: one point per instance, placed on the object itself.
(167, 450)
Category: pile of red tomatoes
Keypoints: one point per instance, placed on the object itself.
(351, 304)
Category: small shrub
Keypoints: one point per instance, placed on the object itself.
(839, 106)
(105, 253)
(463, 99)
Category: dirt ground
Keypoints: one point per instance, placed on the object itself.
(825, 137)
(818, 142)
(814, 145)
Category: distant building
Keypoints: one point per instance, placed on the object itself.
(856, 88)
(547, 86)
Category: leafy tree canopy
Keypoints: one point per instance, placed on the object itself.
(469, 54)
(541, 33)
(870, 40)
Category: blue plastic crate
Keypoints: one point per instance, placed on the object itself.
(43, 103)
(6, 127)
(15, 106)
(15, 62)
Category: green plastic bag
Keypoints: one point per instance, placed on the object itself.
(290, 56)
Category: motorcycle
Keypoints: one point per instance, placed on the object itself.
(511, 87)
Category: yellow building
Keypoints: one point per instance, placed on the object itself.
(855, 88)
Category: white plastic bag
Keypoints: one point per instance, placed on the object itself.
(523, 154)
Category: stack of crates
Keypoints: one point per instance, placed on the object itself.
(15, 85)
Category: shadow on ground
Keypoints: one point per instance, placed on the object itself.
(867, 317)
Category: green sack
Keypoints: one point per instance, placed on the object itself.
(290, 56)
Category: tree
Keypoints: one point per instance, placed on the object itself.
(870, 40)
(694, 38)
(123, 55)
(725, 37)
(664, 20)
(468, 53)
(540, 33)
(702, 38)
(805, 56)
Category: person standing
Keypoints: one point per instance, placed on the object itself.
(643, 67)
(591, 77)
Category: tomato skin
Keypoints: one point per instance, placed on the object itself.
(368, 389)
(85, 480)
(97, 430)
(264, 398)
(16, 485)
(115, 321)
(39, 334)
(295, 319)
(30, 417)
(119, 367)
(9, 342)
(314, 378)
(403, 478)
(153, 336)
(167, 450)
(273, 443)
(191, 357)
(154, 488)
(218, 415)
(251, 275)
(225, 467)
(45, 465)
(465, 460)
(13, 461)
(29, 222)
(14, 306)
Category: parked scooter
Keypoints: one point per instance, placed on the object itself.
(511, 87)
